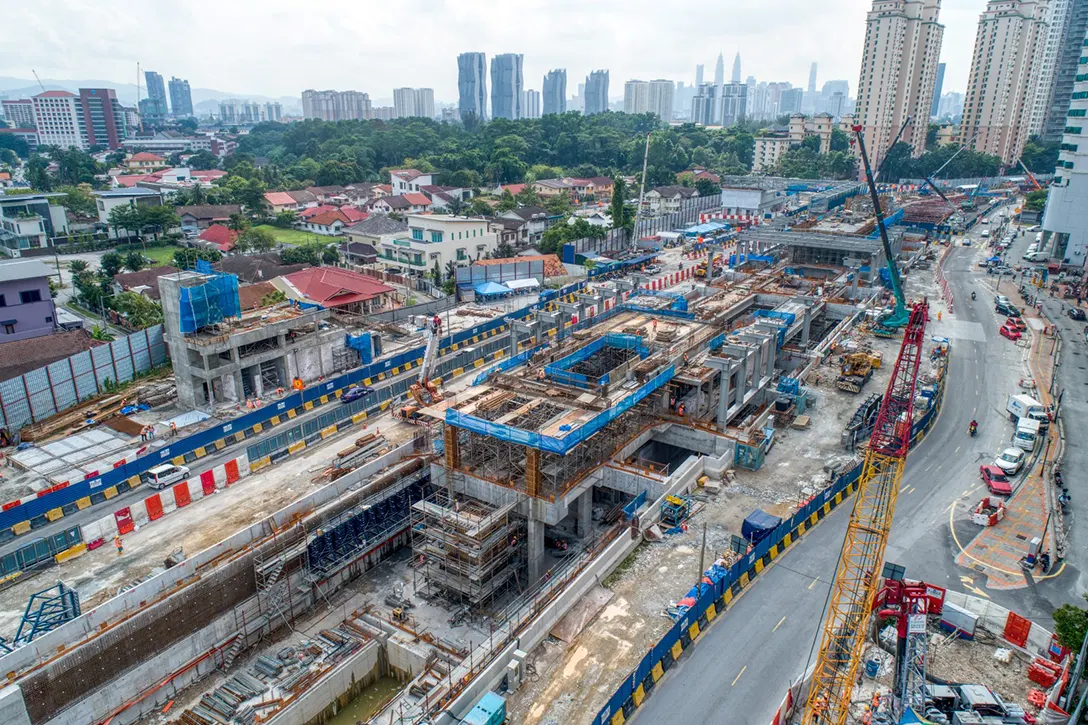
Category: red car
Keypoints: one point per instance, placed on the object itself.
(1010, 332)
(1016, 323)
(995, 480)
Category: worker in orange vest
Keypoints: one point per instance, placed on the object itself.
(119, 544)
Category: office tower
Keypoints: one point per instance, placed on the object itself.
(951, 105)
(828, 92)
(103, 118)
(530, 104)
(734, 103)
(337, 105)
(699, 76)
(1065, 225)
(790, 101)
(809, 103)
(156, 95)
(19, 113)
(506, 85)
(636, 96)
(273, 111)
(1004, 74)
(413, 103)
(719, 82)
(1070, 17)
(472, 85)
(836, 105)
(181, 99)
(596, 95)
(59, 115)
(898, 70)
(938, 86)
(555, 91)
(736, 69)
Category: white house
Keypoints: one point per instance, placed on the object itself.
(404, 181)
(668, 199)
(410, 203)
(595, 218)
(327, 223)
(106, 201)
(535, 216)
(437, 238)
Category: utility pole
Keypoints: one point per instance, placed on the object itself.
(702, 561)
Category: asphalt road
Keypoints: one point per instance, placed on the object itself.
(745, 661)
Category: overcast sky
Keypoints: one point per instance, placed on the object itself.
(280, 47)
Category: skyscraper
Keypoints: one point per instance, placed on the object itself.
(636, 96)
(1064, 223)
(530, 104)
(506, 85)
(1004, 75)
(659, 98)
(181, 100)
(555, 91)
(1053, 93)
(938, 86)
(791, 101)
(472, 85)
(719, 82)
(103, 117)
(699, 76)
(809, 104)
(829, 91)
(736, 69)
(898, 70)
(596, 95)
(337, 106)
(413, 103)
(156, 95)
(734, 103)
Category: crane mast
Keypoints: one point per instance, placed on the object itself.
(857, 577)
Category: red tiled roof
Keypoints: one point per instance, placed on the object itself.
(328, 218)
(208, 173)
(145, 156)
(407, 174)
(333, 287)
(22, 356)
(514, 189)
(315, 210)
(128, 181)
(250, 295)
(353, 215)
(220, 236)
(279, 198)
(417, 199)
(387, 188)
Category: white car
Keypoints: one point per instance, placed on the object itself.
(1010, 460)
(166, 474)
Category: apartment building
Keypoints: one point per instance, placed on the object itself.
(596, 92)
(337, 105)
(555, 92)
(181, 98)
(898, 73)
(413, 102)
(437, 238)
(1005, 74)
(472, 85)
(506, 85)
(19, 113)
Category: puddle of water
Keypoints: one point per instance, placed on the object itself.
(369, 701)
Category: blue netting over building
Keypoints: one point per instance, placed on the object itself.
(208, 303)
(577, 369)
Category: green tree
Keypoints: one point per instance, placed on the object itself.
(1041, 157)
(156, 219)
(559, 204)
(479, 207)
(451, 270)
(286, 219)
(134, 261)
(436, 273)
(330, 255)
(256, 240)
(124, 217)
(622, 216)
(186, 258)
(237, 223)
(111, 264)
(140, 311)
(1035, 200)
(840, 140)
(16, 145)
(101, 334)
(7, 156)
(1071, 625)
(456, 206)
(78, 200)
(37, 173)
(506, 202)
(707, 187)
(77, 265)
(527, 196)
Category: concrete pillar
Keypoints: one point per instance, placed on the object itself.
(536, 549)
(806, 328)
(258, 385)
(585, 513)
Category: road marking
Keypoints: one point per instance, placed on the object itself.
(777, 625)
(977, 591)
(967, 579)
(958, 448)
(950, 505)
(813, 582)
(742, 669)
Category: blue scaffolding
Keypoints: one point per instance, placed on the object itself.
(47, 610)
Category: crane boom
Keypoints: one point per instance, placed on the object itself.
(1038, 186)
(857, 575)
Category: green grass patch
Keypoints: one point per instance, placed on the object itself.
(293, 236)
(162, 255)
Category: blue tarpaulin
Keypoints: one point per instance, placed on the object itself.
(491, 288)
(208, 303)
(758, 525)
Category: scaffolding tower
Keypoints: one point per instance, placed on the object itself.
(464, 549)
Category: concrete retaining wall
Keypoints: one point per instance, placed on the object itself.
(324, 699)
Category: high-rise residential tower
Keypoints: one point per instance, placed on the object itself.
(734, 103)
(156, 95)
(1068, 22)
(337, 105)
(596, 95)
(735, 78)
(530, 104)
(699, 76)
(472, 85)
(719, 82)
(938, 86)
(1004, 76)
(506, 85)
(181, 99)
(555, 91)
(636, 96)
(413, 103)
(898, 71)
(659, 99)
(1065, 225)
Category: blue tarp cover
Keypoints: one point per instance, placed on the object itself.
(491, 288)
(208, 303)
(758, 525)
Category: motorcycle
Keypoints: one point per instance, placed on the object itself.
(972, 296)
(973, 429)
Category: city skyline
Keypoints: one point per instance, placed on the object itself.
(66, 52)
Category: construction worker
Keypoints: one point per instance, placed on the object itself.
(173, 429)
(938, 315)
(119, 544)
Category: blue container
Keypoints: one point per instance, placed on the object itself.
(872, 667)
(490, 710)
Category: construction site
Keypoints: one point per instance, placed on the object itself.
(514, 512)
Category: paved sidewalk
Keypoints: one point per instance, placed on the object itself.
(996, 550)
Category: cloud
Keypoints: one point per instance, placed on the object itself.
(280, 47)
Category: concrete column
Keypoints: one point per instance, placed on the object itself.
(536, 549)
(239, 389)
(258, 386)
(585, 513)
(806, 328)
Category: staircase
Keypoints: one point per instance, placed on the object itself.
(231, 653)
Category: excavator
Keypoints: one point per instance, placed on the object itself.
(890, 322)
(423, 392)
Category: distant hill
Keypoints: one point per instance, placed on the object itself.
(205, 100)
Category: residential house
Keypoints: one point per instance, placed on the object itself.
(602, 187)
(548, 188)
(514, 189)
(594, 217)
(5, 180)
(437, 238)
(279, 201)
(219, 237)
(699, 173)
(30, 221)
(315, 210)
(511, 231)
(327, 223)
(252, 296)
(374, 230)
(251, 268)
(203, 216)
(26, 307)
(304, 199)
(535, 217)
(145, 162)
(411, 203)
(107, 201)
(668, 199)
(359, 253)
(339, 289)
(329, 194)
(145, 282)
(404, 181)
(442, 196)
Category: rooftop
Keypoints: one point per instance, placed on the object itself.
(23, 356)
(335, 287)
(19, 269)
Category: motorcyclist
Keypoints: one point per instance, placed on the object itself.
(973, 427)
(972, 295)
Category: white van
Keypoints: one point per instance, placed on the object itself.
(1027, 434)
(1038, 237)
(1036, 256)
(166, 474)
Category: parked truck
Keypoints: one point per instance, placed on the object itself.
(1027, 434)
(1024, 406)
